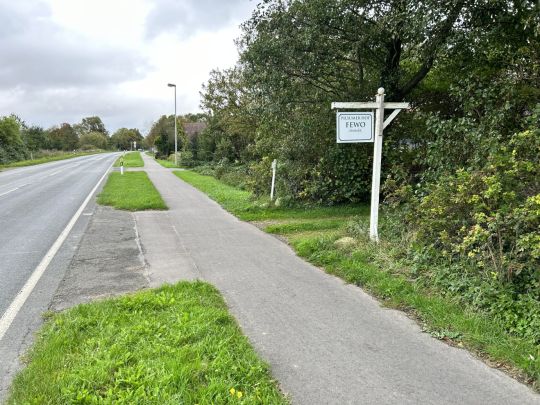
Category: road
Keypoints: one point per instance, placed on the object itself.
(36, 204)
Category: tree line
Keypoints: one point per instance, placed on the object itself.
(20, 141)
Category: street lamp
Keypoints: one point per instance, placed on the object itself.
(175, 131)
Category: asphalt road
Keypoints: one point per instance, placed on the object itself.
(36, 203)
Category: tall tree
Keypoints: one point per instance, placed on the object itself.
(298, 55)
(123, 138)
(90, 124)
(161, 135)
(63, 137)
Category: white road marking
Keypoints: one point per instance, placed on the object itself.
(22, 296)
(10, 191)
(14, 189)
(54, 173)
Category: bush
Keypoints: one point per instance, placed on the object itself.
(12, 147)
(490, 216)
(185, 159)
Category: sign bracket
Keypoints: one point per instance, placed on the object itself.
(391, 117)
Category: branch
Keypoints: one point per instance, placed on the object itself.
(437, 40)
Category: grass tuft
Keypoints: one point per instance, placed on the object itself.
(132, 191)
(175, 344)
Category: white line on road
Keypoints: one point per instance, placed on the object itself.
(54, 173)
(14, 189)
(10, 191)
(22, 296)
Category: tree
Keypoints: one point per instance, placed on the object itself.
(94, 140)
(63, 137)
(90, 124)
(162, 143)
(297, 56)
(123, 138)
(161, 135)
(232, 122)
(35, 138)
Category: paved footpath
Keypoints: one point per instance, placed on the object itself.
(326, 342)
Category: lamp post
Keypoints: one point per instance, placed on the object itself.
(175, 131)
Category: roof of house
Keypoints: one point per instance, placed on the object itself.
(192, 129)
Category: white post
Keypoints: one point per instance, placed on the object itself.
(122, 168)
(274, 166)
(377, 154)
(175, 132)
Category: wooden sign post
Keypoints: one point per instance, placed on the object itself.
(353, 127)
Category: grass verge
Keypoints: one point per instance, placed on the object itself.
(167, 163)
(131, 159)
(176, 344)
(49, 158)
(322, 236)
(242, 204)
(132, 191)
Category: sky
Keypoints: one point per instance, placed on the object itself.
(62, 60)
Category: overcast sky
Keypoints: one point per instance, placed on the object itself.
(62, 60)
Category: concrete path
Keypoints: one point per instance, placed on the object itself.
(326, 342)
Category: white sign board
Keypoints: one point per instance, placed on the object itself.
(355, 127)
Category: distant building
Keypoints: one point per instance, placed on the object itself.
(193, 129)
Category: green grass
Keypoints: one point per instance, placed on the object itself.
(131, 159)
(173, 345)
(49, 158)
(295, 227)
(167, 163)
(132, 191)
(242, 204)
(313, 233)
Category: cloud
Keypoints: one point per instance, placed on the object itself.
(38, 53)
(55, 106)
(62, 60)
(184, 18)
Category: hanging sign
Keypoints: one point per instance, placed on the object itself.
(353, 127)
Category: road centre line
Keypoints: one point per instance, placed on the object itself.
(24, 293)
(54, 173)
(14, 189)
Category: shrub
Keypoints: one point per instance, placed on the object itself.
(185, 158)
(12, 147)
(490, 216)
